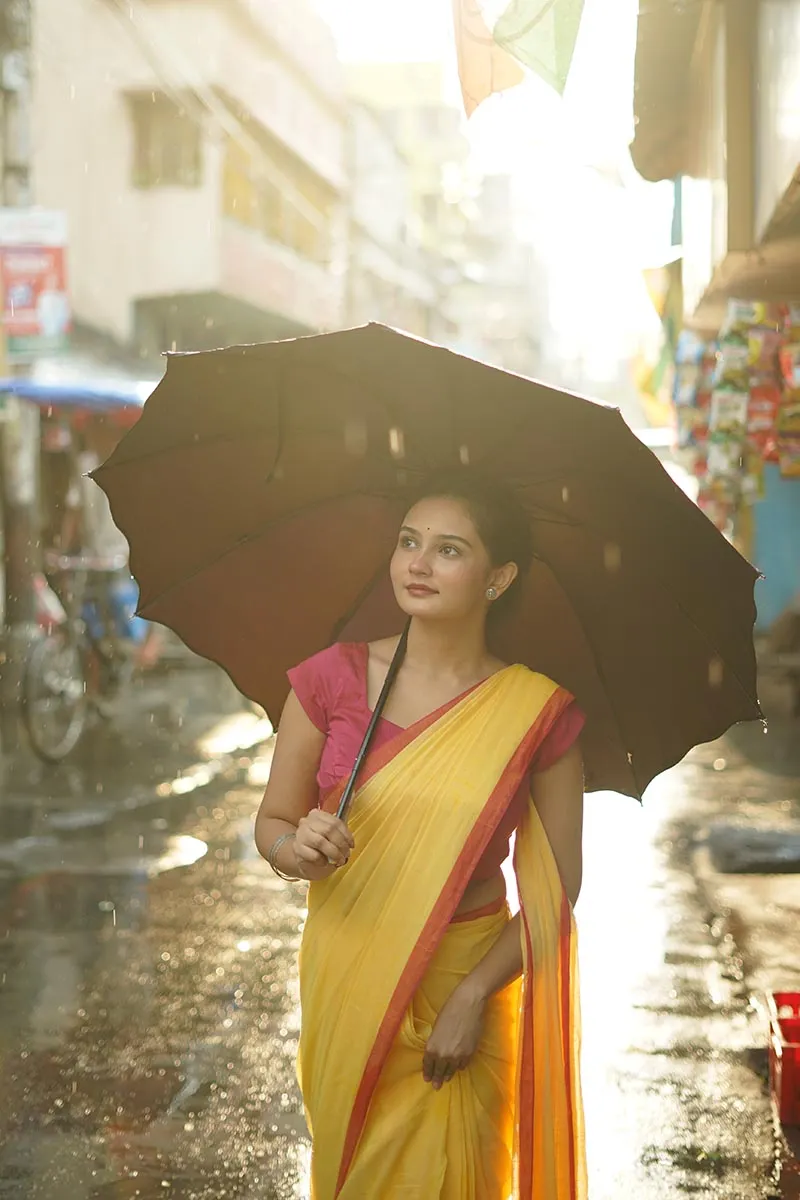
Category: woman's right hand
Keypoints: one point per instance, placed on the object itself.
(322, 844)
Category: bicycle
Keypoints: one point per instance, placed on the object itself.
(82, 662)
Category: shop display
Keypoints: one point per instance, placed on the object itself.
(737, 405)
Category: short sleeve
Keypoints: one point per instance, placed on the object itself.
(314, 682)
(562, 736)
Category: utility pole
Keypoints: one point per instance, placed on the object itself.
(19, 434)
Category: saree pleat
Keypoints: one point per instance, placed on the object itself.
(380, 957)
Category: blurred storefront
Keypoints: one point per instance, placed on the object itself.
(718, 110)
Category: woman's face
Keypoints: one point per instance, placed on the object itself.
(441, 568)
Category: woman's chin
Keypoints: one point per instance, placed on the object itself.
(419, 606)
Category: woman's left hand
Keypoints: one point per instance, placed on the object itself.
(454, 1038)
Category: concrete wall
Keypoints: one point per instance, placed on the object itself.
(777, 104)
(705, 192)
(777, 546)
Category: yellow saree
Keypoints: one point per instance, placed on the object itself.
(381, 954)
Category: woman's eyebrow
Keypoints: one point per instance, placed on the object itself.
(444, 537)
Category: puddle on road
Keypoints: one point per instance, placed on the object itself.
(150, 1017)
(672, 1107)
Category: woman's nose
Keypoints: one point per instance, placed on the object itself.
(419, 564)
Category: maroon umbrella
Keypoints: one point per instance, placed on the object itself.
(262, 488)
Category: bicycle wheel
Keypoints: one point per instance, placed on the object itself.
(54, 701)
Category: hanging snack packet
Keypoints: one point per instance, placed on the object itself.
(728, 417)
(724, 459)
(733, 363)
(744, 315)
(790, 363)
(788, 438)
(763, 346)
(762, 409)
(791, 322)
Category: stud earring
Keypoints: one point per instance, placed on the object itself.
(491, 593)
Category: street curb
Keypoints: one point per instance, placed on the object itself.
(727, 932)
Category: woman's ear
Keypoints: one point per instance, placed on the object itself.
(503, 577)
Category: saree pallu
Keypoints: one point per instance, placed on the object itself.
(381, 954)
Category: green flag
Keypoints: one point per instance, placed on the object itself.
(541, 34)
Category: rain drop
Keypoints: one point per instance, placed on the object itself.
(716, 672)
(612, 556)
(397, 443)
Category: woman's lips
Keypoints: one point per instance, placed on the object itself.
(419, 589)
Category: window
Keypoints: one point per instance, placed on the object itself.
(168, 146)
(279, 199)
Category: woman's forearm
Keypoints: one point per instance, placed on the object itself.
(267, 832)
(498, 967)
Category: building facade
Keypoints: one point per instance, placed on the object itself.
(198, 149)
(389, 275)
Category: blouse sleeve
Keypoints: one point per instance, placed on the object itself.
(313, 682)
(561, 737)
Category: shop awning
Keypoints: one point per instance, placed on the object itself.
(94, 396)
(665, 40)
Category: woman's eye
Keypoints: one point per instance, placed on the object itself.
(406, 543)
(450, 551)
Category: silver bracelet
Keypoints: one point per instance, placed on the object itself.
(273, 853)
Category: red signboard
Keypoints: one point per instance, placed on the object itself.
(36, 309)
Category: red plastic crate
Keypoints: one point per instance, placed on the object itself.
(784, 1054)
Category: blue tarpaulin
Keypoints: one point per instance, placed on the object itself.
(97, 396)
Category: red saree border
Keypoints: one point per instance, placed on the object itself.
(526, 1089)
(565, 946)
(445, 906)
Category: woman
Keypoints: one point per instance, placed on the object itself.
(427, 1068)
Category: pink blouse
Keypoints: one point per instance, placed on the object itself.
(332, 688)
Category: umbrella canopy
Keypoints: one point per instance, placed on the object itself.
(262, 489)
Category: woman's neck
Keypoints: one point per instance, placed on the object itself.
(450, 648)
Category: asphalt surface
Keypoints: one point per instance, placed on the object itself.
(149, 1011)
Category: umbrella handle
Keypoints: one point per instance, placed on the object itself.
(391, 675)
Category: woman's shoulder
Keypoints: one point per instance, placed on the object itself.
(335, 659)
(321, 681)
(541, 678)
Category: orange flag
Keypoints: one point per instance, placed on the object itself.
(483, 66)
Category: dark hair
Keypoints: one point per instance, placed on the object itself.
(498, 516)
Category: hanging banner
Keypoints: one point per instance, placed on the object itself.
(537, 34)
(33, 277)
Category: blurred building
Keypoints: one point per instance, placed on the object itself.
(489, 292)
(388, 270)
(428, 133)
(718, 107)
(198, 148)
(501, 302)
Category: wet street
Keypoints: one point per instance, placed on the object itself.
(149, 1015)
